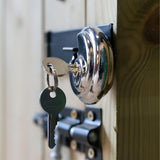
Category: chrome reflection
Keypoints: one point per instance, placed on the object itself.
(95, 59)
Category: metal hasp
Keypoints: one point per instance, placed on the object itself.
(90, 52)
(80, 130)
(56, 41)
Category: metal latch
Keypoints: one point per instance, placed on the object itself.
(78, 130)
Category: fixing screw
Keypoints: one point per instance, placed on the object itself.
(74, 114)
(91, 153)
(73, 144)
(91, 115)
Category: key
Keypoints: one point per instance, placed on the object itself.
(61, 66)
(53, 106)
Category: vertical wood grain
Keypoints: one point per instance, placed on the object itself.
(101, 12)
(62, 15)
(138, 80)
(23, 79)
(2, 77)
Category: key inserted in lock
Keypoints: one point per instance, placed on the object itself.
(61, 66)
(91, 67)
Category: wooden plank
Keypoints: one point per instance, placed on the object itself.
(105, 12)
(62, 15)
(138, 80)
(108, 103)
(2, 75)
(23, 77)
(102, 12)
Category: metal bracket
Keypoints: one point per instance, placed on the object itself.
(82, 132)
(56, 41)
(78, 130)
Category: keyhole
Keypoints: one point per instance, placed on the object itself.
(52, 94)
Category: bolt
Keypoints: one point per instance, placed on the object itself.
(91, 115)
(74, 114)
(92, 137)
(91, 153)
(73, 144)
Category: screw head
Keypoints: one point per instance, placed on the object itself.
(91, 115)
(73, 145)
(91, 153)
(74, 114)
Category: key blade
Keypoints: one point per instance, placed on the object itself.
(52, 122)
(60, 65)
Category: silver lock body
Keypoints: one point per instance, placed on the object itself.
(96, 62)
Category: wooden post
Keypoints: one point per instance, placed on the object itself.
(138, 80)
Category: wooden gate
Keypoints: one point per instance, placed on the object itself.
(130, 129)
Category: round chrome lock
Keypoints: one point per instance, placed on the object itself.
(96, 66)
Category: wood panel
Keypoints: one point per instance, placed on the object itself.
(104, 12)
(108, 103)
(62, 15)
(2, 76)
(23, 79)
(138, 80)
